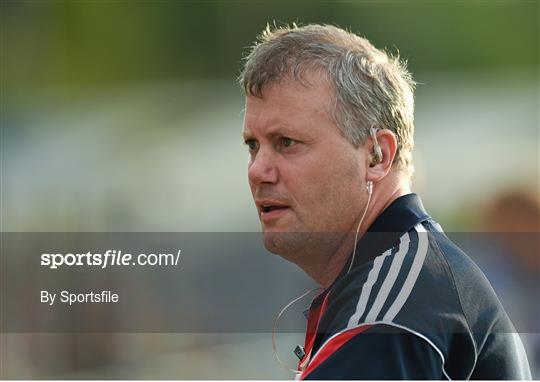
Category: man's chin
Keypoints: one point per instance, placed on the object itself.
(286, 244)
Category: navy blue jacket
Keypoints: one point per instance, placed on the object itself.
(413, 306)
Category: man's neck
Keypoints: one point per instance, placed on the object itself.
(325, 272)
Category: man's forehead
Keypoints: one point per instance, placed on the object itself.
(270, 126)
(284, 101)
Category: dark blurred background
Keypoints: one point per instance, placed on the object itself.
(125, 116)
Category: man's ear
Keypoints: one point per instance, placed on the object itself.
(378, 166)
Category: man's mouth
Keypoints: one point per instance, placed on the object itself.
(270, 208)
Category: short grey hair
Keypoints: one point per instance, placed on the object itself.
(372, 88)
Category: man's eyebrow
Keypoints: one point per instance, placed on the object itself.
(270, 134)
(283, 130)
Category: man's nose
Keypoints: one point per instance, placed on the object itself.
(263, 168)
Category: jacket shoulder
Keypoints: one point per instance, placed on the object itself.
(426, 285)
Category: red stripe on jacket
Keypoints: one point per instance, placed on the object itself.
(331, 347)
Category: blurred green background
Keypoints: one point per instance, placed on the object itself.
(125, 116)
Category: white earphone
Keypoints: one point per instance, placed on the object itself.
(376, 156)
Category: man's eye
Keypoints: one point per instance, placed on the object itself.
(287, 142)
(251, 144)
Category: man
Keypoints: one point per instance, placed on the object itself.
(329, 127)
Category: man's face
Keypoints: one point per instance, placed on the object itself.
(305, 177)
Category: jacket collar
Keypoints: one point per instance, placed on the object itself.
(399, 217)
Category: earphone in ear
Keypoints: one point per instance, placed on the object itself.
(369, 187)
(376, 156)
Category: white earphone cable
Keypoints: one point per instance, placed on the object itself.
(276, 320)
(370, 191)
